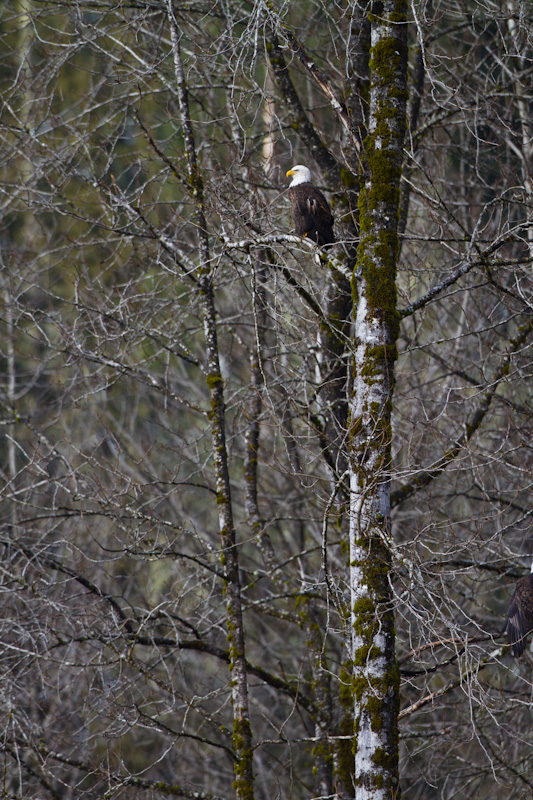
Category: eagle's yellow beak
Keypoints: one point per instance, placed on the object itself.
(290, 172)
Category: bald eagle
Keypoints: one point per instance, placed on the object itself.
(310, 209)
(519, 620)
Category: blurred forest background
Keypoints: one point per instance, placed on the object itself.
(118, 243)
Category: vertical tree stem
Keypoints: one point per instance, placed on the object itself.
(376, 677)
(242, 735)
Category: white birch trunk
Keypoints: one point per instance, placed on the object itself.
(375, 678)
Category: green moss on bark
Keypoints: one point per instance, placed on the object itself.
(243, 783)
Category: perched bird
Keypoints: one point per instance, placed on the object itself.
(310, 210)
(519, 620)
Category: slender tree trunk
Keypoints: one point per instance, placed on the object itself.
(375, 670)
(25, 235)
(520, 88)
(242, 735)
(307, 613)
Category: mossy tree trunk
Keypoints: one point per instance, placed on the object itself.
(242, 734)
(375, 671)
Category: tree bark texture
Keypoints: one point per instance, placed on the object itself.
(375, 670)
(242, 734)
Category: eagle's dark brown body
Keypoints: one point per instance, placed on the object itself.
(519, 620)
(310, 209)
(311, 214)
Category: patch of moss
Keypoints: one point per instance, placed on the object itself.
(213, 380)
(243, 783)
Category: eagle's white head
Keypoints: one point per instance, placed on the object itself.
(300, 174)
